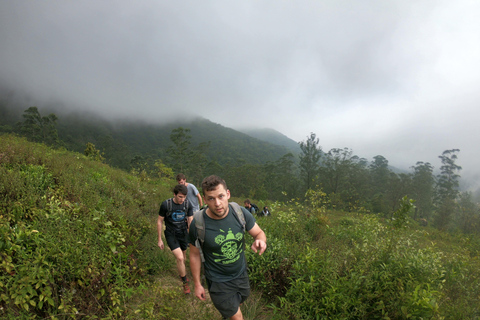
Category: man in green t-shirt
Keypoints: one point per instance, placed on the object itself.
(223, 248)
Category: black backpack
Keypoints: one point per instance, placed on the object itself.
(170, 207)
(255, 207)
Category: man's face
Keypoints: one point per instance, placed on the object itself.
(179, 198)
(217, 201)
(182, 181)
(247, 205)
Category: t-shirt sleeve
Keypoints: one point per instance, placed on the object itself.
(195, 190)
(163, 209)
(249, 219)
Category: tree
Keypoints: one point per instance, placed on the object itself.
(310, 160)
(93, 153)
(180, 151)
(138, 164)
(398, 187)
(468, 218)
(380, 175)
(336, 165)
(189, 160)
(448, 180)
(423, 184)
(37, 128)
(162, 170)
(281, 180)
(447, 188)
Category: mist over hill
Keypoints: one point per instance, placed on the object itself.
(122, 140)
(272, 136)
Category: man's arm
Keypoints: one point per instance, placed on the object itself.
(259, 239)
(189, 220)
(160, 230)
(195, 267)
(199, 196)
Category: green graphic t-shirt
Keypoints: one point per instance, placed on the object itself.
(223, 247)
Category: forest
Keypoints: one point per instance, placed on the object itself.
(260, 170)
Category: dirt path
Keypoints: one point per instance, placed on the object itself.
(164, 299)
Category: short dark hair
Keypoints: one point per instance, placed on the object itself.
(181, 176)
(180, 188)
(212, 182)
(247, 201)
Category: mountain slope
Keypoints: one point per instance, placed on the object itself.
(274, 137)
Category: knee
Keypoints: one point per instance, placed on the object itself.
(180, 259)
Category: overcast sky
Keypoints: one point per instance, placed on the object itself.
(393, 78)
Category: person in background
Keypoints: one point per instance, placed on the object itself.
(265, 212)
(177, 214)
(193, 195)
(223, 248)
(248, 206)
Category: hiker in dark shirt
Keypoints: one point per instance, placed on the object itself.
(224, 227)
(177, 215)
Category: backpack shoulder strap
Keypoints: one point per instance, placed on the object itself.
(169, 207)
(239, 214)
(200, 226)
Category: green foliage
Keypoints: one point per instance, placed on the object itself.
(400, 217)
(321, 264)
(423, 190)
(37, 128)
(92, 153)
(366, 278)
(73, 231)
(310, 160)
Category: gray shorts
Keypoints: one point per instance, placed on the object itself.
(227, 296)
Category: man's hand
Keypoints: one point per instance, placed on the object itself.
(259, 246)
(160, 244)
(200, 292)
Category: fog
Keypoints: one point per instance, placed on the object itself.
(392, 78)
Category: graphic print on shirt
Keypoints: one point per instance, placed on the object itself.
(178, 216)
(231, 247)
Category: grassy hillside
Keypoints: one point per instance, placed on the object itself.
(74, 232)
(78, 240)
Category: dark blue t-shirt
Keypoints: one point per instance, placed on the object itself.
(177, 220)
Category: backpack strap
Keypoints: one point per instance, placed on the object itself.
(239, 214)
(170, 206)
(200, 226)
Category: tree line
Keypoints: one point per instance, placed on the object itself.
(352, 183)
